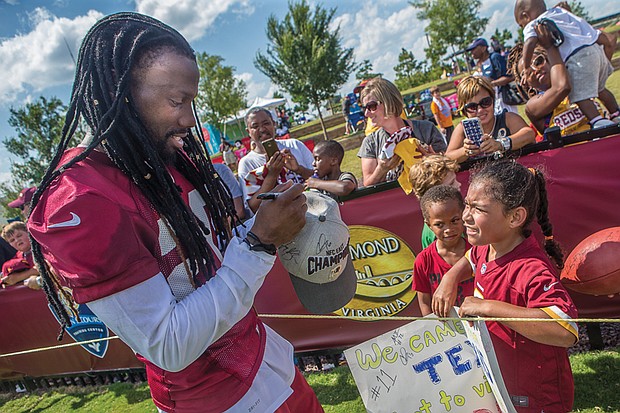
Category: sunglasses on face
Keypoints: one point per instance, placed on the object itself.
(484, 103)
(371, 106)
(538, 62)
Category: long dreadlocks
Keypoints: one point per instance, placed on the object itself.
(515, 55)
(113, 47)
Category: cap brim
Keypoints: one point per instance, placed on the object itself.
(16, 204)
(328, 297)
(470, 47)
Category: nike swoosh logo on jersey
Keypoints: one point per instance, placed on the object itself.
(73, 222)
(548, 287)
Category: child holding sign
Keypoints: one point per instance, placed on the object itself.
(514, 278)
(442, 208)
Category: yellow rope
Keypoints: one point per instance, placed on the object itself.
(412, 318)
(36, 350)
(337, 317)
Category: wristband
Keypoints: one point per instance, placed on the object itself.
(256, 244)
(506, 144)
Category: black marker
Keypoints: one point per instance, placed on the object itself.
(268, 195)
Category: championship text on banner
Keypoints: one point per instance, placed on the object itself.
(426, 366)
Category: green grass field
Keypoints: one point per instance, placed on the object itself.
(596, 373)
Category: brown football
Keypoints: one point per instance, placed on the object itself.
(593, 267)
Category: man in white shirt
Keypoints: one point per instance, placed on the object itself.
(292, 162)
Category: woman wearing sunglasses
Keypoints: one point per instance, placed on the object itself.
(502, 133)
(382, 103)
(548, 87)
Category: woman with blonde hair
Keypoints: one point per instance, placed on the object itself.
(502, 133)
(382, 104)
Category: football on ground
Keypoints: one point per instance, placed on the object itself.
(593, 267)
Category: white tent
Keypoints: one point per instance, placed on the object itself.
(267, 103)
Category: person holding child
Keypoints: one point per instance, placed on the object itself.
(432, 170)
(327, 177)
(442, 207)
(579, 45)
(514, 278)
(502, 132)
(548, 86)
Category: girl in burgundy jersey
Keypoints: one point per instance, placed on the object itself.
(514, 278)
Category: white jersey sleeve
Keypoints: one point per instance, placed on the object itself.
(173, 334)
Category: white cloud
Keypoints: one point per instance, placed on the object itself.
(191, 17)
(378, 34)
(254, 88)
(501, 19)
(40, 59)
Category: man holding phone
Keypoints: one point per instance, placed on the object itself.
(271, 162)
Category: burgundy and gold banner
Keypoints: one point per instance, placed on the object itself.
(584, 197)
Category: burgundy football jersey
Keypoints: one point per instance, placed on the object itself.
(538, 376)
(102, 236)
(428, 269)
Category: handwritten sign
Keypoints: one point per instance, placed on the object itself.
(427, 366)
(478, 335)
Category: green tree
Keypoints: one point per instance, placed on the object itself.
(39, 127)
(578, 9)
(305, 57)
(409, 71)
(365, 71)
(503, 36)
(452, 24)
(220, 94)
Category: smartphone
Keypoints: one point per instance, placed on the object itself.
(271, 147)
(473, 130)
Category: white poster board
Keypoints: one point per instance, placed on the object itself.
(479, 336)
(427, 366)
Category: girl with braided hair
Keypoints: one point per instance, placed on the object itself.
(136, 224)
(514, 278)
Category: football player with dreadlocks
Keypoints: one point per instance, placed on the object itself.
(136, 224)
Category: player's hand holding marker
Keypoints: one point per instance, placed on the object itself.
(281, 215)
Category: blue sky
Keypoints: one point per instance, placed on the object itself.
(35, 36)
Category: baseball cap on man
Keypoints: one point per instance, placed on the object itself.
(478, 42)
(317, 259)
(362, 85)
(25, 196)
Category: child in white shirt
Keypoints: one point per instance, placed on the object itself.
(587, 66)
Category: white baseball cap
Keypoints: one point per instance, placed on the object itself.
(318, 260)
